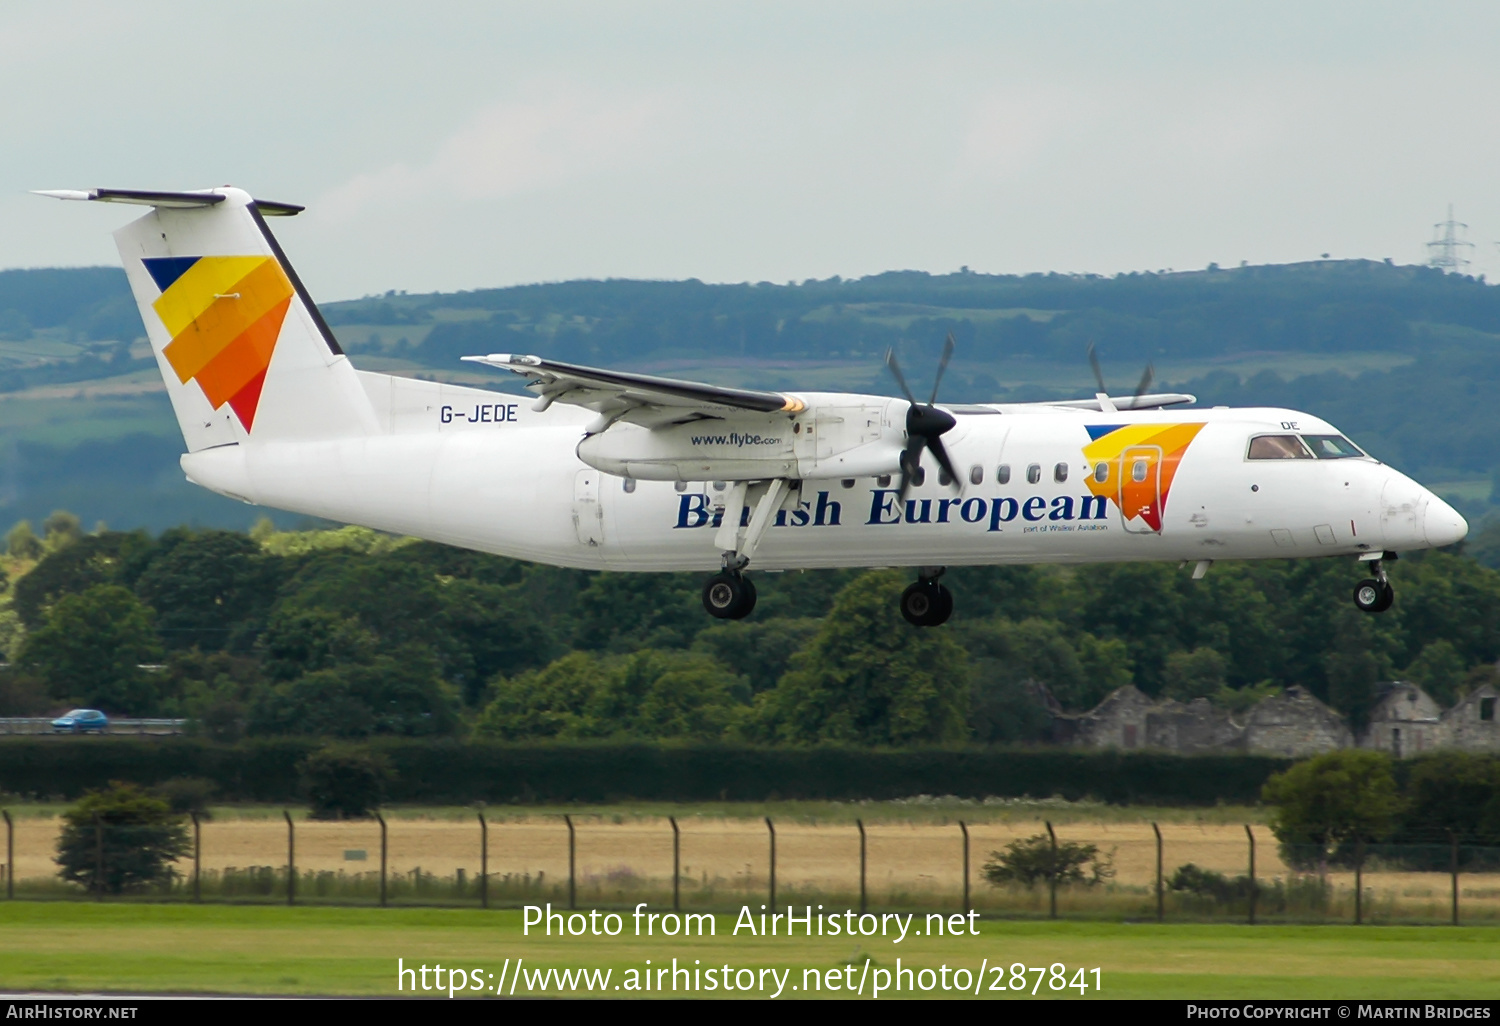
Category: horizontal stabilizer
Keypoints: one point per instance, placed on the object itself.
(166, 200)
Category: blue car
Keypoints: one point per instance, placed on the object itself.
(80, 721)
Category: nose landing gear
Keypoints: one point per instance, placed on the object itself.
(927, 603)
(1375, 594)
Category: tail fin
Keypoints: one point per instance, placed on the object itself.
(243, 350)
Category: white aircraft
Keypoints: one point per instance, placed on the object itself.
(615, 471)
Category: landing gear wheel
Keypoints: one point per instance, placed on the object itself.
(1374, 596)
(926, 604)
(729, 596)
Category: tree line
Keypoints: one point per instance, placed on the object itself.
(349, 633)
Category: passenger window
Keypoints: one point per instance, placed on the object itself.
(976, 475)
(1034, 473)
(884, 480)
(1331, 447)
(944, 479)
(919, 477)
(1138, 471)
(1278, 447)
(1060, 473)
(1002, 473)
(1101, 472)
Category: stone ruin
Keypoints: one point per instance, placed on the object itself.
(1406, 721)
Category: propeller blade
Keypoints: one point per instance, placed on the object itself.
(1140, 389)
(942, 366)
(890, 361)
(935, 443)
(911, 461)
(1098, 371)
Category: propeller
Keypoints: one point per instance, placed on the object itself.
(925, 424)
(1140, 389)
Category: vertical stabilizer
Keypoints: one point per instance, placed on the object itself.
(245, 354)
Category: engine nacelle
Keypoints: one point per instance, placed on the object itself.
(837, 439)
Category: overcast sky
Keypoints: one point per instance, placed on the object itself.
(458, 145)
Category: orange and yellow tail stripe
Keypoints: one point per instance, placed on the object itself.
(224, 314)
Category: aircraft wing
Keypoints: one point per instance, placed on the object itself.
(1150, 401)
(639, 398)
(655, 402)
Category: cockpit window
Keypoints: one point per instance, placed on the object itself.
(1331, 447)
(1278, 447)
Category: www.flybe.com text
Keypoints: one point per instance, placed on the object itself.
(736, 439)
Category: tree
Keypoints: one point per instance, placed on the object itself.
(208, 588)
(869, 677)
(61, 529)
(648, 694)
(1452, 794)
(91, 649)
(344, 782)
(1330, 801)
(397, 693)
(761, 649)
(1078, 668)
(1031, 860)
(110, 558)
(1440, 670)
(130, 835)
(1353, 666)
(22, 543)
(1196, 674)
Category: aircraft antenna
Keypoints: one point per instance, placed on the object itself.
(1447, 248)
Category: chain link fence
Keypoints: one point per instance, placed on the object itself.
(1173, 871)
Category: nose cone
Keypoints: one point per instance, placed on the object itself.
(1442, 525)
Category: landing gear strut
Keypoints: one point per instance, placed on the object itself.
(927, 603)
(1375, 594)
(729, 595)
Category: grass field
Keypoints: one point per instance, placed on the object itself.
(179, 949)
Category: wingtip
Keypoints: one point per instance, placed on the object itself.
(64, 194)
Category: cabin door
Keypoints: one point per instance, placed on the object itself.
(588, 511)
(1140, 489)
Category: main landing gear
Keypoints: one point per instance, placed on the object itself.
(1375, 594)
(927, 603)
(729, 595)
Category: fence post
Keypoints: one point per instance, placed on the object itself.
(676, 865)
(1452, 866)
(98, 858)
(291, 860)
(484, 862)
(772, 828)
(10, 857)
(861, 824)
(381, 820)
(1359, 882)
(572, 879)
(1254, 887)
(965, 828)
(1052, 874)
(1161, 900)
(197, 858)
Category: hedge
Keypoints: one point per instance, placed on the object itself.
(459, 773)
